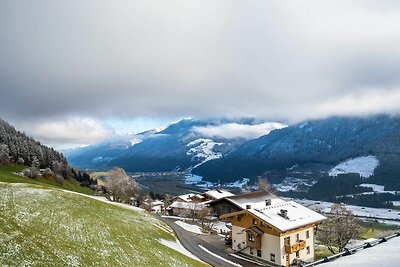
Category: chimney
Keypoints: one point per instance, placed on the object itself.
(284, 214)
(248, 207)
(268, 202)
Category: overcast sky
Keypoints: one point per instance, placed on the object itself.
(79, 71)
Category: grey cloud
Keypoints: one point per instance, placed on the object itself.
(202, 58)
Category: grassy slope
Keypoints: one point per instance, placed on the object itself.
(7, 174)
(55, 228)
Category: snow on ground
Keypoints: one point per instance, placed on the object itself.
(190, 227)
(364, 166)
(325, 207)
(396, 203)
(219, 257)
(375, 187)
(384, 255)
(176, 245)
(294, 184)
(220, 227)
(192, 179)
(203, 149)
(238, 183)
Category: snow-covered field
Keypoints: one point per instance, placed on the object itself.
(364, 166)
(325, 207)
(190, 227)
(192, 179)
(238, 183)
(375, 187)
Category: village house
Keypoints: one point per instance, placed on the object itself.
(216, 194)
(184, 208)
(271, 229)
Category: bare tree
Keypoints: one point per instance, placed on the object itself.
(338, 229)
(121, 186)
(263, 185)
(204, 217)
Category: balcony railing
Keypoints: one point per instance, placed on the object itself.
(295, 247)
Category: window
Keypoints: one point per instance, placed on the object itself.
(307, 234)
(298, 254)
(297, 237)
(272, 257)
(239, 218)
(308, 250)
(255, 221)
(251, 237)
(258, 253)
(251, 251)
(262, 223)
(287, 240)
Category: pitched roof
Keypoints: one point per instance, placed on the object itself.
(187, 205)
(186, 197)
(218, 193)
(297, 215)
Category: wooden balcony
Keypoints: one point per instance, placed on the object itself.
(295, 247)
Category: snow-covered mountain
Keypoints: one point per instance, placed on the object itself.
(182, 145)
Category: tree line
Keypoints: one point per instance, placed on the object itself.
(16, 147)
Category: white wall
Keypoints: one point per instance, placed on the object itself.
(238, 237)
(303, 253)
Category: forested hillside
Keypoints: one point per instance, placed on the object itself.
(16, 147)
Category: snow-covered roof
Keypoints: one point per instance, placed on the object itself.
(255, 199)
(157, 202)
(218, 193)
(186, 197)
(385, 254)
(297, 215)
(187, 205)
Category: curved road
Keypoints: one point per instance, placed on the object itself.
(191, 242)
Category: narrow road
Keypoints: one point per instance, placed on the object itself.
(191, 242)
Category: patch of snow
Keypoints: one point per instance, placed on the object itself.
(238, 183)
(396, 203)
(220, 227)
(202, 149)
(192, 178)
(364, 166)
(293, 184)
(385, 254)
(375, 187)
(135, 141)
(190, 227)
(219, 257)
(206, 184)
(177, 246)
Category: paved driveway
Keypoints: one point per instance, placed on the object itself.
(191, 242)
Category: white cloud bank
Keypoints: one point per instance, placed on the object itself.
(236, 130)
(74, 131)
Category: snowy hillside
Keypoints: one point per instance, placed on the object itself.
(202, 149)
(364, 166)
